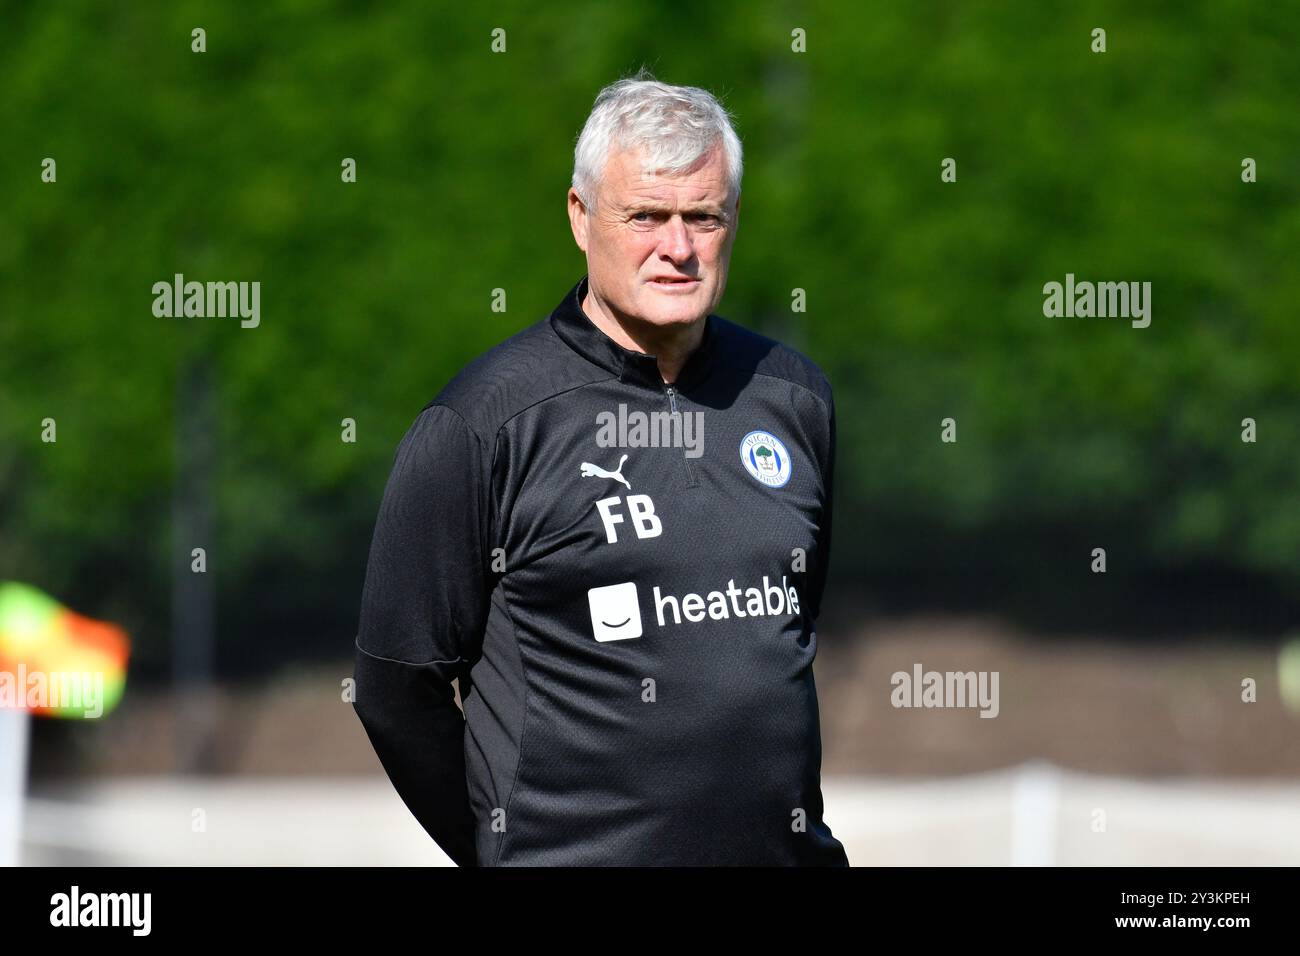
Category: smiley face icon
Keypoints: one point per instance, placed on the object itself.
(615, 612)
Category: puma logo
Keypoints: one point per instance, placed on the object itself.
(595, 471)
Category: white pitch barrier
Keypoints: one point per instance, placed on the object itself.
(1034, 815)
(14, 732)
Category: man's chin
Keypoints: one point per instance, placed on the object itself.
(682, 319)
(673, 308)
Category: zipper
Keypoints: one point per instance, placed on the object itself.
(671, 392)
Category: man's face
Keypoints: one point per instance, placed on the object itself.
(658, 245)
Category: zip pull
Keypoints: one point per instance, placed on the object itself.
(671, 392)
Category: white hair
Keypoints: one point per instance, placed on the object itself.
(675, 125)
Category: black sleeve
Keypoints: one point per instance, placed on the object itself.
(818, 585)
(422, 615)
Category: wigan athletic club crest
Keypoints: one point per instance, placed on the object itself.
(766, 458)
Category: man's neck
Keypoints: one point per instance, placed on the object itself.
(672, 346)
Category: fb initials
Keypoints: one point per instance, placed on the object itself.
(642, 510)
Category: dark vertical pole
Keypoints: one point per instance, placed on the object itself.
(194, 593)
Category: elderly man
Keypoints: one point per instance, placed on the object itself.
(629, 611)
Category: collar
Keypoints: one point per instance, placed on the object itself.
(575, 327)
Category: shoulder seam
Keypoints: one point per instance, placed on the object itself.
(790, 381)
(436, 403)
(608, 376)
(553, 395)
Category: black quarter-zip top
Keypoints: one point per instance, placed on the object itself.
(624, 575)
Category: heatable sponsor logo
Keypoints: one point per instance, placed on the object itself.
(615, 612)
(720, 605)
(616, 608)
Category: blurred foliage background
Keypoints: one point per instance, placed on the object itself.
(924, 298)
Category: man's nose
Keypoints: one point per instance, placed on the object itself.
(675, 241)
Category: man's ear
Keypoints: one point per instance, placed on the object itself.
(578, 219)
(735, 214)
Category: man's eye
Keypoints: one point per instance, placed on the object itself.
(641, 217)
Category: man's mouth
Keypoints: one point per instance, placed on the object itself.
(674, 280)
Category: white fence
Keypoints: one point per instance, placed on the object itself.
(1031, 815)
